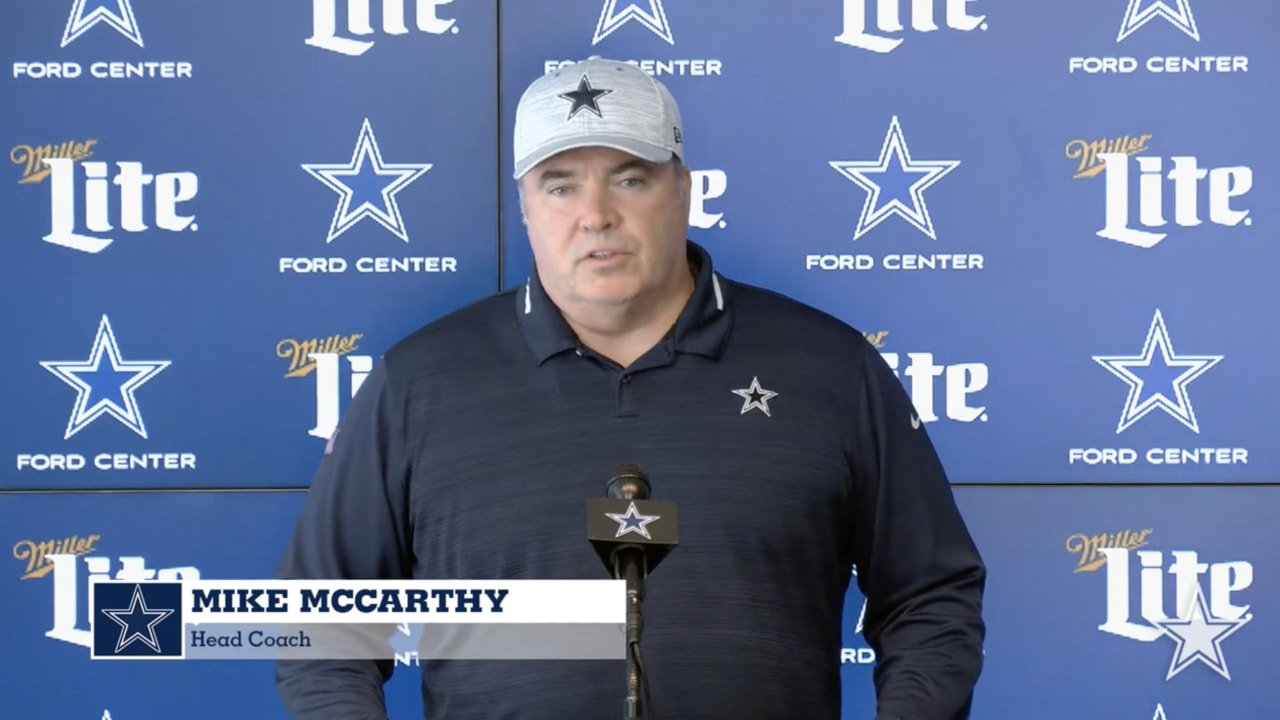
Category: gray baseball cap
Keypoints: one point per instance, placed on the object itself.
(596, 103)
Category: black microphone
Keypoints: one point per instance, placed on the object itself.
(626, 528)
(628, 483)
(632, 534)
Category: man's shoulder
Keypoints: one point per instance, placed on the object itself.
(773, 315)
(479, 333)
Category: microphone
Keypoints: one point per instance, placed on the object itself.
(628, 483)
(631, 535)
(626, 528)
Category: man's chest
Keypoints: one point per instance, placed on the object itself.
(752, 458)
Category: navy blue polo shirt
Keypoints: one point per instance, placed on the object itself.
(787, 443)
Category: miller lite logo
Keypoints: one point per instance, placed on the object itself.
(1193, 195)
(325, 14)
(707, 185)
(920, 373)
(332, 372)
(889, 21)
(1197, 619)
(88, 190)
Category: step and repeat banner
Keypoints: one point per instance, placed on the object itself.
(1050, 218)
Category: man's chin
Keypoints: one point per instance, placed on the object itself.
(609, 299)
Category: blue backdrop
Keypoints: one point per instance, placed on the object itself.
(1050, 217)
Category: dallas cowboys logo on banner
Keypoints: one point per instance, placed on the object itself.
(367, 186)
(105, 390)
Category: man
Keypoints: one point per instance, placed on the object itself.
(791, 450)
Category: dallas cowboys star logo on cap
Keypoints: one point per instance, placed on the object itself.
(633, 522)
(584, 98)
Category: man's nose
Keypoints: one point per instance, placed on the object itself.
(598, 210)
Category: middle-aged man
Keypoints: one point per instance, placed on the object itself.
(792, 452)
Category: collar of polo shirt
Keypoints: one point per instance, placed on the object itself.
(702, 328)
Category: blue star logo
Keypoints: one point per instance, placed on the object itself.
(900, 179)
(87, 13)
(367, 186)
(633, 522)
(655, 19)
(138, 622)
(1199, 636)
(1180, 17)
(105, 391)
(1163, 381)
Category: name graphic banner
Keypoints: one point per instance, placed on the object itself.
(342, 620)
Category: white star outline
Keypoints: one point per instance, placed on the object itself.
(367, 150)
(1135, 16)
(122, 20)
(1178, 408)
(633, 514)
(149, 639)
(655, 20)
(748, 395)
(894, 149)
(1159, 713)
(1199, 637)
(104, 343)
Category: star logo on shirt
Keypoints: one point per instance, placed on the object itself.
(611, 19)
(584, 98)
(633, 522)
(105, 391)
(137, 622)
(895, 184)
(116, 13)
(1158, 378)
(1135, 16)
(755, 398)
(367, 186)
(1199, 637)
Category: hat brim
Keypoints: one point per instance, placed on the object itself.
(631, 146)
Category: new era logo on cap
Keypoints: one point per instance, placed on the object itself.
(600, 103)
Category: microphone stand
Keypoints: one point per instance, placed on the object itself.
(634, 574)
